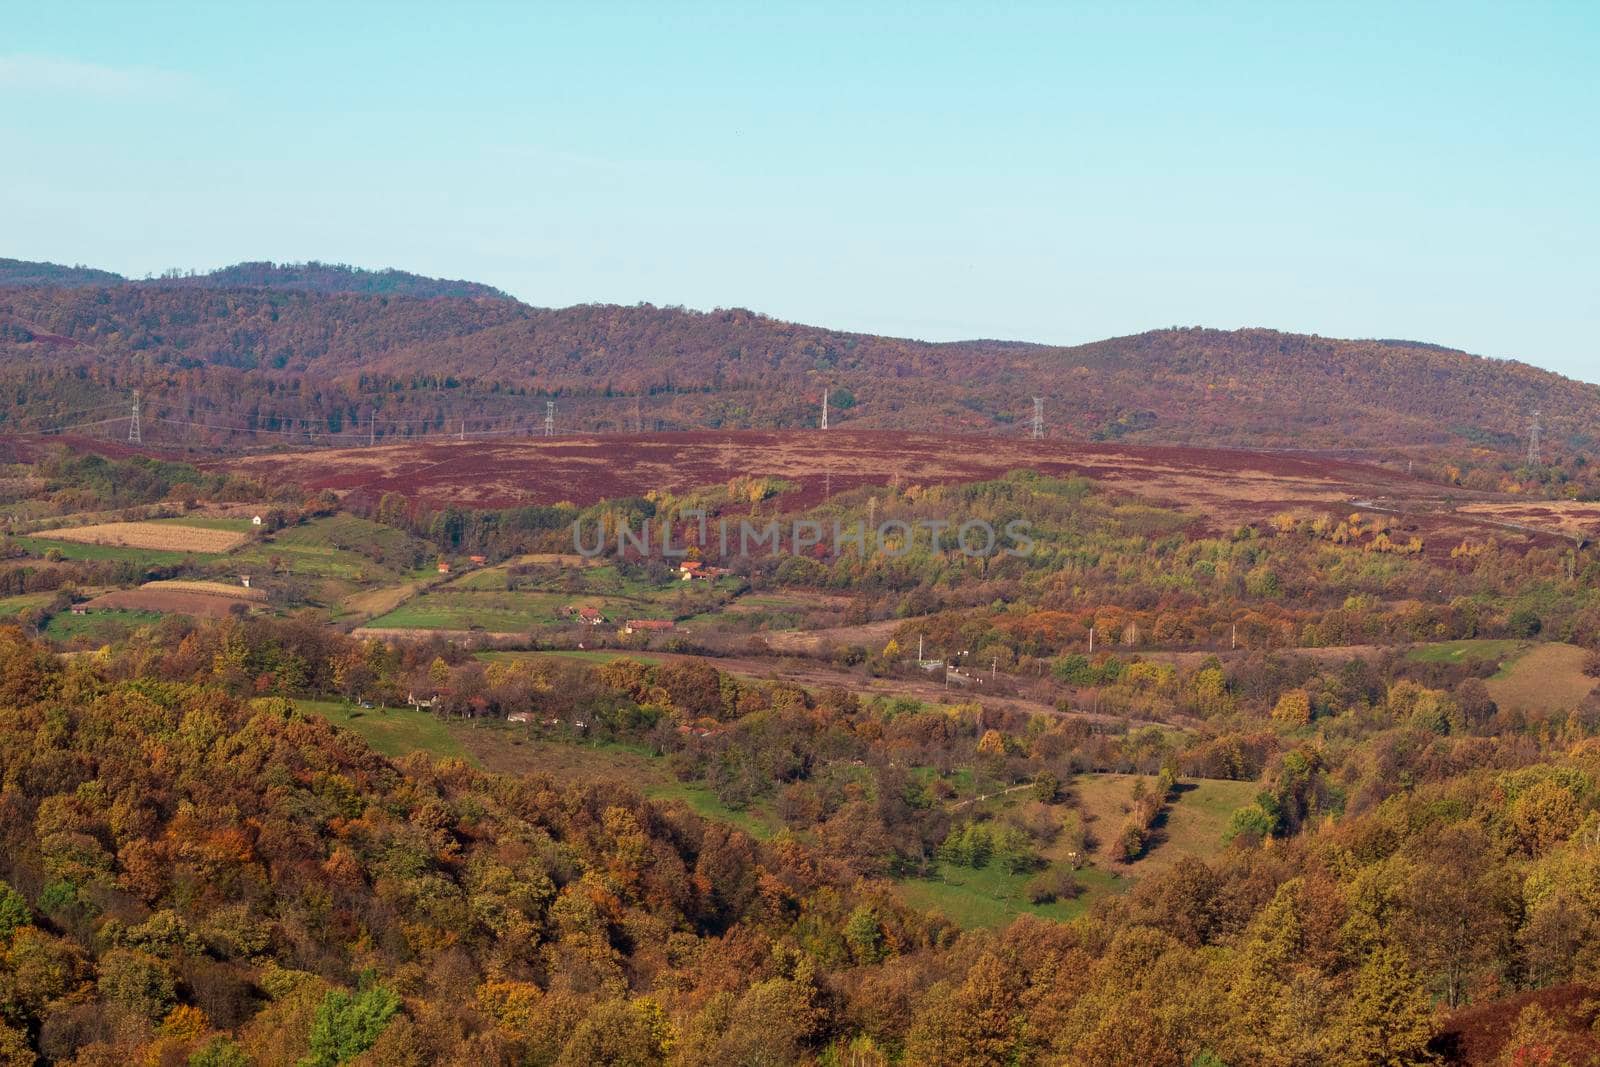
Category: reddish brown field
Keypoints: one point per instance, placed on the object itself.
(167, 601)
(1227, 487)
(585, 469)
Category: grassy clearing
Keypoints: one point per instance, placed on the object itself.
(1194, 824)
(1546, 679)
(514, 750)
(102, 626)
(758, 820)
(992, 896)
(1465, 651)
(339, 547)
(392, 732)
(373, 602)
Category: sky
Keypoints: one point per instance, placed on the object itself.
(1056, 173)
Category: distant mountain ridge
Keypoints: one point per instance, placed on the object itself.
(308, 277)
(327, 348)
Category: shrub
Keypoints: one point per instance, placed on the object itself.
(1051, 885)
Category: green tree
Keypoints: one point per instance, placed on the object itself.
(14, 911)
(346, 1026)
(863, 931)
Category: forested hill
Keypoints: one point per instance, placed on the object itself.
(316, 343)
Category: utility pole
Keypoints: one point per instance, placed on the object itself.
(135, 437)
(1533, 440)
(549, 418)
(825, 409)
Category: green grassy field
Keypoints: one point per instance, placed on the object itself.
(582, 655)
(327, 548)
(394, 732)
(145, 557)
(12, 606)
(992, 896)
(502, 612)
(101, 625)
(757, 820)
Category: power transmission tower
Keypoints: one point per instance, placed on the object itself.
(1038, 417)
(463, 436)
(824, 409)
(134, 435)
(1533, 441)
(638, 417)
(549, 418)
(372, 429)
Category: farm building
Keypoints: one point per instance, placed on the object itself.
(646, 625)
(444, 568)
(477, 561)
(255, 520)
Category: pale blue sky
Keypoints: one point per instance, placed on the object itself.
(1053, 173)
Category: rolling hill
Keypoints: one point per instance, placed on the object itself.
(320, 353)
